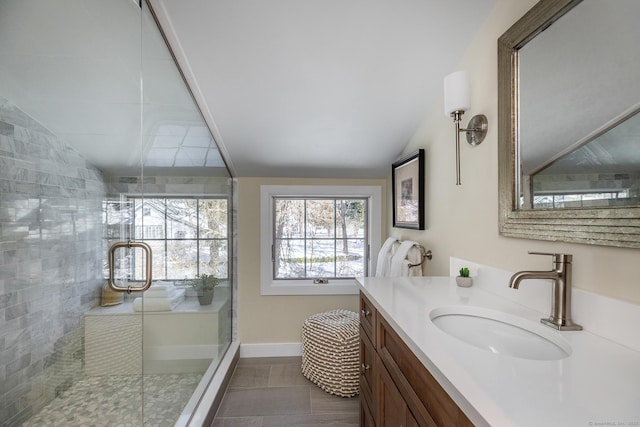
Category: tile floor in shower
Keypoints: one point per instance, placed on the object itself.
(114, 401)
(272, 392)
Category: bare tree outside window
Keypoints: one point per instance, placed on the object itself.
(188, 236)
(319, 238)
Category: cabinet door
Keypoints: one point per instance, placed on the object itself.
(367, 369)
(366, 417)
(426, 399)
(411, 422)
(392, 407)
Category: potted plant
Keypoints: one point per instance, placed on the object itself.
(463, 279)
(204, 284)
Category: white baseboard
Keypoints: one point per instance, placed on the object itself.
(271, 349)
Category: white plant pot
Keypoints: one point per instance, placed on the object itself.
(464, 282)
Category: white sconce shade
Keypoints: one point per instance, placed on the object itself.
(456, 92)
(457, 100)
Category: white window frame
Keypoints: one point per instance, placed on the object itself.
(269, 286)
(134, 197)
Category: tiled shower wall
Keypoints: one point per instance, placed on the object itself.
(51, 255)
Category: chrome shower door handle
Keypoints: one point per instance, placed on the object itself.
(129, 244)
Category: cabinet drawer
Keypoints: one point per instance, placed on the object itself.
(368, 317)
(368, 368)
(426, 399)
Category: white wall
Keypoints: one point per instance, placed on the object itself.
(462, 221)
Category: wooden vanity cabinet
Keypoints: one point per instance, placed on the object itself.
(395, 387)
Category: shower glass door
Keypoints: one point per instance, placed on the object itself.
(183, 213)
(70, 125)
(101, 142)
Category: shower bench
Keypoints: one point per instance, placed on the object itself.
(121, 341)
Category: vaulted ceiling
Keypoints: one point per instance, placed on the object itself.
(297, 88)
(319, 88)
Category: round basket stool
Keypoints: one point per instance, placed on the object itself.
(330, 352)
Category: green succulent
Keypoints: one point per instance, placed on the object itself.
(464, 272)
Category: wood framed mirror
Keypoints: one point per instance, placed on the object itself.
(609, 220)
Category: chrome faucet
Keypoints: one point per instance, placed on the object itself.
(560, 317)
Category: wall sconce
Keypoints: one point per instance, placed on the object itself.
(456, 102)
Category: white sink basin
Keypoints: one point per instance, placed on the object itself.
(501, 333)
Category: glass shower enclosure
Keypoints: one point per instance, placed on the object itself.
(110, 181)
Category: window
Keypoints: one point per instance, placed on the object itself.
(317, 239)
(188, 235)
(578, 200)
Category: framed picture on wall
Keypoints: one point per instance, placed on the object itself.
(407, 182)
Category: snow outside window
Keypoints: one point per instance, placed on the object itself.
(317, 239)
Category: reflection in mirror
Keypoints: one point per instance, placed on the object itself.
(579, 96)
(601, 173)
(568, 137)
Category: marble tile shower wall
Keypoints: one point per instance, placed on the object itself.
(51, 254)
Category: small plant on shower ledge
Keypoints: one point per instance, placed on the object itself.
(204, 285)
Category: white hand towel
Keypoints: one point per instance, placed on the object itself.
(168, 294)
(384, 257)
(399, 263)
(160, 289)
(161, 284)
(414, 257)
(159, 304)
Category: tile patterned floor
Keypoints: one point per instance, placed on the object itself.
(272, 392)
(114, 401)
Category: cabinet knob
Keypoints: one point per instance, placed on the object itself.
(365, 313)
(364, 368)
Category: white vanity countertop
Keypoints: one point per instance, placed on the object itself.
(597, 384)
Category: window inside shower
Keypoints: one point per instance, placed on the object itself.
(187, 234)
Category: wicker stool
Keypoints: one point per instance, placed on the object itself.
(330, 352)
